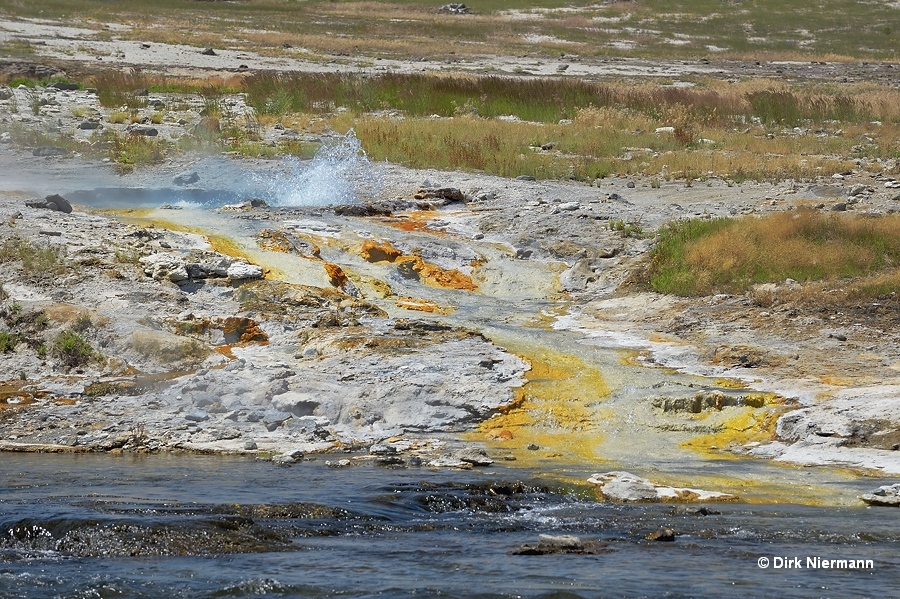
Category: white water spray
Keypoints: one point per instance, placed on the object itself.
(340, 173)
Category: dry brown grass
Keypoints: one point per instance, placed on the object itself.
(703, 257)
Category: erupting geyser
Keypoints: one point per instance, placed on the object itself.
(340, 173)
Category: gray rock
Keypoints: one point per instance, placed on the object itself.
(209, 52)
(54, 202)
(250, 445)
(337, 463)
(382, 449)
(90, 124)
(272, 419)
(449, 462)
(839, 207)
(888, 495)
(857, 190)
(626, 487)
(164, 266)
(196, 416)
(240, 271)
(145, 130)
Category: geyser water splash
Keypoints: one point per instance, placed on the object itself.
(340, 173)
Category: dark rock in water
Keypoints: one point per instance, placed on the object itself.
(345, 463)
(49, 151)
(475, 456)
(362, 210)
(690, 510)
(556, 544)
(888, 495)
(53, 202)
(666, 535)
(256, 203)
(390, 460)
(186, 178)
(209, 52)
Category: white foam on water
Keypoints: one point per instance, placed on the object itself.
(340, 173)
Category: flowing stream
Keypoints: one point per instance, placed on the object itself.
(188, 526)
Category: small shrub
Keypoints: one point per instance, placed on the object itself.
(118, 117)
(117, 88)
(36, 259)
(82, 323)
(136, 150)
(8, 342)
(128, 255)
(71, 349)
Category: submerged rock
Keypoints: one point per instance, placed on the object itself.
(556, 544)
(627, 488)
(666, 535)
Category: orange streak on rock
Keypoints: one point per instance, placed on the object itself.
(336, 274)
(436, 276)
(374, 251)
(238, 329)
(422, 305)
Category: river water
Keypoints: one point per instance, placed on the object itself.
(166, 526)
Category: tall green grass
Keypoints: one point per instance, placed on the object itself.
(542, 100)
